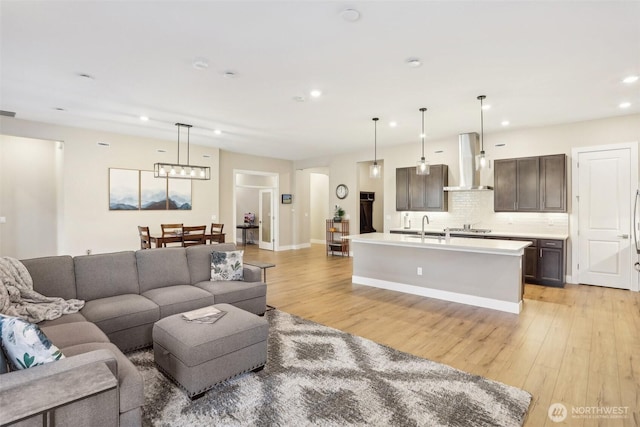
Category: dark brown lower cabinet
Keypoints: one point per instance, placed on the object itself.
(551, 260)
(530, 264)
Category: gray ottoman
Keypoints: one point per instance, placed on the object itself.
(197, 356)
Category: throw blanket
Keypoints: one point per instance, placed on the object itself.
(17, 297)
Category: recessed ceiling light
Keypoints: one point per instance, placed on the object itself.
(625, 105)
(505, 123)
(200, 63)
(630, 79)
(315, 93)
(144, 118)
(350, 15)
(217, 132)
(486, 106)
(299, 98)
(393, 124)
(413, 62)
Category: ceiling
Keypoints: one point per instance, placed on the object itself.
(538, 63)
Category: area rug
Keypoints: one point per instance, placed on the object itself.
(319, 376)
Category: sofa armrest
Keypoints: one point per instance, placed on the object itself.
(55, 384)
(251, 273)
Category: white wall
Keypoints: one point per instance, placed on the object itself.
(29, 173)
(85, 221)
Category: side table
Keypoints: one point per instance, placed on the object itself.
(261, 265)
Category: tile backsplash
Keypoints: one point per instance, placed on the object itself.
(476, 208)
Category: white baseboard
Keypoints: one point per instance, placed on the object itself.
(294, 247)
(509, 307)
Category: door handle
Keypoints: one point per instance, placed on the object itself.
(624, 236)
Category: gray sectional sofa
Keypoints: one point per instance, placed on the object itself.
(125, 293)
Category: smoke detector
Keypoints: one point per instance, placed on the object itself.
(200, 63)
(350, 15)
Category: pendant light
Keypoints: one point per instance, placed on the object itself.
(375, 170)
(179, 170)
(482, 162)
(422, 167)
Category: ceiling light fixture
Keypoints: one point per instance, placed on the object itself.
(350, 15)
(630, 79)
(200, 63)
(315, 93)
(422, 167)
(217, 132)
(375, 170)
(624, 105)
(180, 170)
(505, 123)
(413, 62)
(482, 162)
(144, 118)
(393, 124)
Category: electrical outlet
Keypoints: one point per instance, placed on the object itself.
(550, 221)
(214, 217)
(88, 251)
(3, 219)
(419, 272)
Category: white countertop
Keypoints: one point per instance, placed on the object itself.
(459, 244)
(493, 233)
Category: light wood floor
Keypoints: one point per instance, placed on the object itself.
(579, 346)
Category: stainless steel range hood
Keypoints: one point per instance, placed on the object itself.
(469, 179)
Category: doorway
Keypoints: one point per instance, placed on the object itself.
(265, 222)
(604, 184)
(253, 200)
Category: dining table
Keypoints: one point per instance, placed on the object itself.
(161, 242)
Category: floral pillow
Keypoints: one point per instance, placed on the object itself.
(226, 265)
(25, 345)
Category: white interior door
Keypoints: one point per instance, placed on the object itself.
(266, 220)
(604, 212)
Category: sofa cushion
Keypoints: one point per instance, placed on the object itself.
(231, 291)
(24, 343)
(68, 334)
(178, 299)
(53, 276)
(130, 382)
(106, 275)
(121, 312)
(161, 267)
(199, 258)
(65, 318)
(226, 265)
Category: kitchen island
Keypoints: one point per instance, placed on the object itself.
(483, 273)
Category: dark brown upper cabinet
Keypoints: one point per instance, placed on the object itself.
(422, 192)
(530, 184)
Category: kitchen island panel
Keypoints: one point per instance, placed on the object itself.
(481, 279)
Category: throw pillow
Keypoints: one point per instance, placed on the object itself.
(24, 344)
(226, 265)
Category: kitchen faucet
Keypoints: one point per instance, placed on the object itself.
(422, 233)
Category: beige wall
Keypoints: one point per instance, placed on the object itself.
(233, 162)
(29, 172)
(318, 212)
(85, 220)
(86, 223)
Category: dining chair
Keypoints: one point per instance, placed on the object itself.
(216, 233)
(145, 237)
(194, 235)
(173, 231)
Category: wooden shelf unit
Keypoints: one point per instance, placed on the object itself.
(335, 231)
